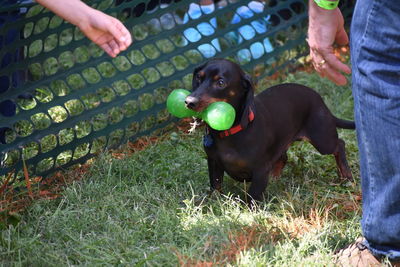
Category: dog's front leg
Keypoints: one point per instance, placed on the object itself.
(216, 174)
(259, 182)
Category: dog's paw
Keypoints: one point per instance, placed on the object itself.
(214, 194)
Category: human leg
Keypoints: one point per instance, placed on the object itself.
(375, 52)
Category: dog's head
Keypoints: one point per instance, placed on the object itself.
(220, 80)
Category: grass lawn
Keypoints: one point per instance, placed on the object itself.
(149, 209)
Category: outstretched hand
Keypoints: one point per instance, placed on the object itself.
(326, 27)
(107, 32)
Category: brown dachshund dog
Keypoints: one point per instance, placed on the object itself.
(265, 125)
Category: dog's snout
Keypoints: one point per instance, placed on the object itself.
(191, 102)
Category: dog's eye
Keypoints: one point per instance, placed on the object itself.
(221, 83)
(198, 77)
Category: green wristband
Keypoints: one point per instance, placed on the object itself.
(326, 4)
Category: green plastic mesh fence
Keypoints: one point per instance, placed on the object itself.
(63, 100)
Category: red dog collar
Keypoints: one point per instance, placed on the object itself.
(237, 128)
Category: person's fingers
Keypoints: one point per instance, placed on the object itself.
(335, 63)
(114, 46)
(127, 39)
(113, 29)
(107, 48)
(120, 33)
(329, 66)
(317, 60)
(332, 74)
(328, 55)
(319, 70)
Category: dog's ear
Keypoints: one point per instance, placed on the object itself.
(247, 82)
(196, 70)
(249, 87)
(248, 100)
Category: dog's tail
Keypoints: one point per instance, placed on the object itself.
(345, 124)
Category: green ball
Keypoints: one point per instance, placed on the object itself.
(176, 104)
(219, 116)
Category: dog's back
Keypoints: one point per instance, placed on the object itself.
(291, 99)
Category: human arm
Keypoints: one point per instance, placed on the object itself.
(325, 28)
(104, 30)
